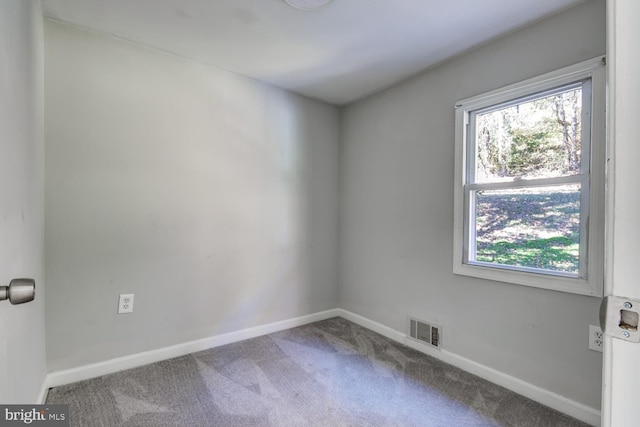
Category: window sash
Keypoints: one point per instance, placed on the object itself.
(585, 153)
(470, 224)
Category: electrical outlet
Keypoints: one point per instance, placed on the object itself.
(596, 339)
(126, 303)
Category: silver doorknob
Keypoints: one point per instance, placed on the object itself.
(19, 291)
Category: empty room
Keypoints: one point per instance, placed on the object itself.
(319, 212)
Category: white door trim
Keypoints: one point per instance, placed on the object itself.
(621, 372)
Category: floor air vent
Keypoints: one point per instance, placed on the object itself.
(424, 332)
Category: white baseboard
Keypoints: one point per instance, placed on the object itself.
(42, 396)
(548, 398)
(93, 370)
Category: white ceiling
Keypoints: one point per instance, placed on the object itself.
(338, 54)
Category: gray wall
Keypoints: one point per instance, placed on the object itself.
(210, 196)
(22, 331)
(397, 161)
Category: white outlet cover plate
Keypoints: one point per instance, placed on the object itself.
(125, 304)
(596, 338)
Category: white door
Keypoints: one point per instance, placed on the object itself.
(621, 370)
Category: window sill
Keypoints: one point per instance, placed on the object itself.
(537, 280)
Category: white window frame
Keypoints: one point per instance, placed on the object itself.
(590, 279)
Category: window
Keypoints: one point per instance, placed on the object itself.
(530, 174)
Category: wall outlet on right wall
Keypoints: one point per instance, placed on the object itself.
(125, 303)
(596, 339)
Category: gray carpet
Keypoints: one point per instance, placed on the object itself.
(329, 373)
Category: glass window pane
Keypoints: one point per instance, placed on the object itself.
(534, 227)
(539, 138)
